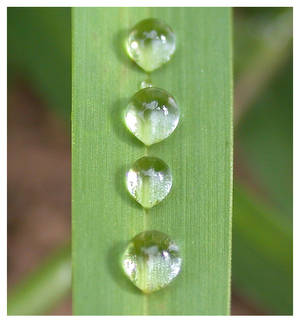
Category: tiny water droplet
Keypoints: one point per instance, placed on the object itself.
(149, 181)
(151, 261)
(151, 43)
(152, 115)
(146, 83)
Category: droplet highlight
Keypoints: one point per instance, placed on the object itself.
(151, 43)
(146, 83)
(149, 181)
(152, 115)
(151, 261)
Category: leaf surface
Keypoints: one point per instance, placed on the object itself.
(197, 212)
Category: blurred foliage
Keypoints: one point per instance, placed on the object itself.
(262, 255)
(262, 46)
(264, 139)
(44, 288)
(262, 209)
(39, 49)
(259, 30)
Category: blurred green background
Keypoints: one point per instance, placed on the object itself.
(39, 105)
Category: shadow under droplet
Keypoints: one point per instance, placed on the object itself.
(120, 184)
(118, 123)
(115, 268)
(119, 47)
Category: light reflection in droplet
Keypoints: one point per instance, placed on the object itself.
(151, 261)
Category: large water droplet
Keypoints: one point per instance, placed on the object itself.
(151, 261)
(151, 43)
(149, 181)
(152, 115)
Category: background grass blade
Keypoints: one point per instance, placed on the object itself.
(44, 288)
(262, 47)
(262, 254)
(263, 195)
(264, 139)
(197, 213)
(264, 146)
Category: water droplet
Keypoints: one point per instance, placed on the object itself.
(149, 181)
(151, 261)
(152, 115)
(151, 43)
(146, 83)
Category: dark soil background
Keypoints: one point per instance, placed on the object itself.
(38, 184)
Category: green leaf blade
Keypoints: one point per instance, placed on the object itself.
(197, 212)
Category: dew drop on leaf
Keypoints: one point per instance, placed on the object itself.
(149, 181)
(152, 115)
(146, 83)
(151, 261)
(151, 43)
